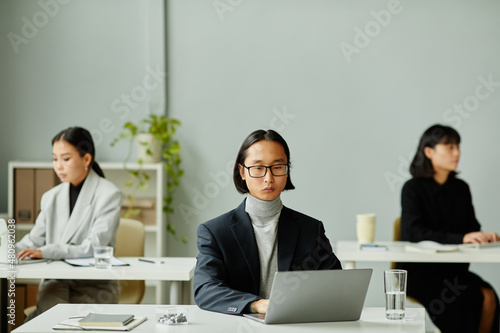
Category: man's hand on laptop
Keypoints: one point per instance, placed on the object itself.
(260, 306)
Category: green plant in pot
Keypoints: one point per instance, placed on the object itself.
(155, 140)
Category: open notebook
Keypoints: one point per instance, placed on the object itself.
(87, 262)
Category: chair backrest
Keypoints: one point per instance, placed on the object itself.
(397, 237)
(130, 239)
(397, 230)
(130, 243)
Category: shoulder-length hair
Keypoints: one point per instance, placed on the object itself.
(254, 137)
(421, 166)
(81, 139)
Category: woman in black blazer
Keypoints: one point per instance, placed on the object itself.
(438, 206)
(241, 250)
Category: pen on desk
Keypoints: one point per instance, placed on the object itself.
(151, 261)
(145, 260)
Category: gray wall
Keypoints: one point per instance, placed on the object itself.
(349, 88)
(352, 126)
(65, 63)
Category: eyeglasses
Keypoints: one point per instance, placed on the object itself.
(259, 171)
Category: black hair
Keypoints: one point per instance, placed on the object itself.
(81, 139)
(421, 166)
(254, 137)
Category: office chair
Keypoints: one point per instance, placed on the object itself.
(397, 237)
(130, 243)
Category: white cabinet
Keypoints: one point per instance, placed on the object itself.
(156, 238)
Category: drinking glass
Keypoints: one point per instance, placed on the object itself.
(102, 256)
(395, 293)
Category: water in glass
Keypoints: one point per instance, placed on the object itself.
(395, 305)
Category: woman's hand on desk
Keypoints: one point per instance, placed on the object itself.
(260, 306)
(481, 237)
(32, 253)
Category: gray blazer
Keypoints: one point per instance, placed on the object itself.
(94, 220)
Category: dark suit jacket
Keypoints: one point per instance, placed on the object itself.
(227, 274)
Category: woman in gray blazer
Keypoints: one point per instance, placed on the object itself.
(81, 212)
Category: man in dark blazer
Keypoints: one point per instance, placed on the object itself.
(227, 271)
(241, 250)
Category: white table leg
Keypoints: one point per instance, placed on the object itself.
(349, 265)
(175, 292)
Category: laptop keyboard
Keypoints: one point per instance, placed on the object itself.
(481, 245)
(488, 245)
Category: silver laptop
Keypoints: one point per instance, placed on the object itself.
(315, 296)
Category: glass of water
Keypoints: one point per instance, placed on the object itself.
(102, 256)
(395, 293)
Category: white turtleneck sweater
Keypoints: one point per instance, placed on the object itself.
(264, 216)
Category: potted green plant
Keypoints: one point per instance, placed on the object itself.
(155, 140)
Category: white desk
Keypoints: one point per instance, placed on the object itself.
(179, 271)
(372, 320)
(175, 270)
(348, 253)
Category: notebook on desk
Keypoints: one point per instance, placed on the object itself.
(73, 324)
(316, 296)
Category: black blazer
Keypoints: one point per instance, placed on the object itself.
(227, 273)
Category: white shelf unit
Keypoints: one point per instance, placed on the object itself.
(155, 244)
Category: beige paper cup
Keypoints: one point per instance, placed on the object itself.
(365, 228)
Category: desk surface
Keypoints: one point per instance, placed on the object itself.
(372, 320)
(349, 251)
(177, 270)
(172, 269)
